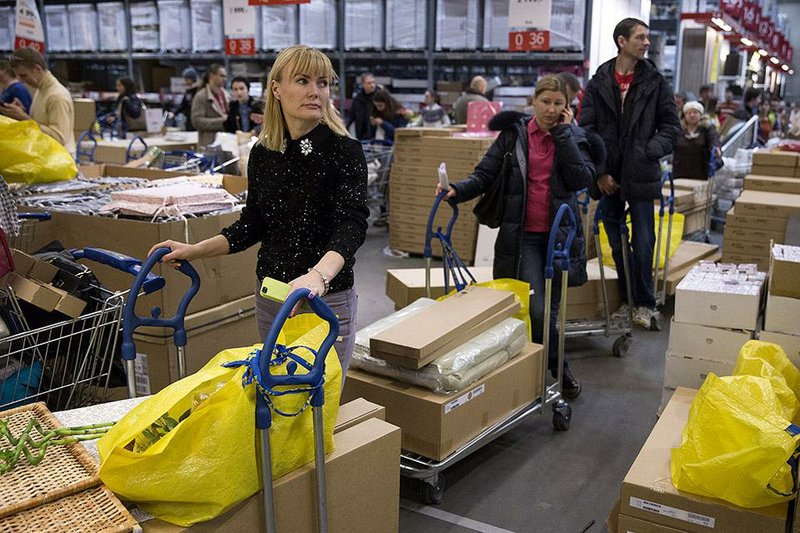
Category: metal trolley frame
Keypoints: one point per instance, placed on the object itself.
(378, 155)
(429, 471)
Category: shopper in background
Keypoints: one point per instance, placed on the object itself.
(695, 145)
(128, 112)
(361, 108)
(630, 105)
(307, 196)
(185, 107)
(556, 163)
(13, 89)
(210, 105)
(574, 91)
(388, 114)
(474, 93)
(51, 106)
(241, 107)
(750, 104)
(432, 115)
(704, 96)
(729, 106)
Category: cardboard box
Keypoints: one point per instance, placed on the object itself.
(773, 170)
(115, 152)
(747, 221)
(772, 204)
(85, 112)
(627, 524)
(761, 261)
(694, 340)
(356, 411)
(363, 478)
(425, 333)
(436, 425)
(675, 276)
(782, 314)
(406, 285)
(691, 372)
(648, 494)
(789, 343)
(666, 396)
(783, 277)
(755, 182)
(34, 292)
(30, 267)
(775, 158)
(68, 304)
(754, 235)
(208, 333)
(717, 309)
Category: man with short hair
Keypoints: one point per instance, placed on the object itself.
(13, 89)
(705, 95)
(474, 93)
(190, 79)
(51, 107)
(361, 108)
(750, 103)
(630, 105)
(574, 91)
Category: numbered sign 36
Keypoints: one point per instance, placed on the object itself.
(529, 41)
(240, 47)
(239, 23)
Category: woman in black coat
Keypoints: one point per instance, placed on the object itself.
(548, 162)
(128, 110)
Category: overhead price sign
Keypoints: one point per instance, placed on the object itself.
(529, 41)
(534, 17)
(239, 23)
(28, 31)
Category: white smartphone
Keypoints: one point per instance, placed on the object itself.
(443, 181)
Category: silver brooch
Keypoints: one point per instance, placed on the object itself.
(305, 146)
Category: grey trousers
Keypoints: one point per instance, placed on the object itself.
(343, 303)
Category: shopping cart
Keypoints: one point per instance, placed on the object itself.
(452, 265)
(68, 363)
(379, 161)
(310, 380)
(429, 471)
(669, 201)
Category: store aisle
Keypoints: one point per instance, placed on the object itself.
(534, 479)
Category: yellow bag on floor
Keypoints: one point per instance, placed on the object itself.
(521, 290)
(739, 443)
(206, 463)
(674, 240)
(31, 156)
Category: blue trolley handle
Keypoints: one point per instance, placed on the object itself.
(667, 176)
(427, 252)
(121, 262)
(41, 216)
(129, 151)
(583, 200)
(556, 251)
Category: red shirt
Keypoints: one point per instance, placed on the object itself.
(541, 153)
(223, 103)
(624, 81)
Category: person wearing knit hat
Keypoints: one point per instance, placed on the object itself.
(694, 147)
(190, 78)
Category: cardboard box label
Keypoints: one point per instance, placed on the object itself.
(464, 398)
(672, 512)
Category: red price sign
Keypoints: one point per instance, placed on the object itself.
(529, 41)
(240, 47)
(276, 2)
(22, 42)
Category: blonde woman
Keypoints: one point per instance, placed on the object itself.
(307, 190)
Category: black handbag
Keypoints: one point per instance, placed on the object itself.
(489, 209)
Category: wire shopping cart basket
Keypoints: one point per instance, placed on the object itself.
(379, 161)
(67, 363)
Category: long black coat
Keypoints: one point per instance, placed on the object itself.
(573, 170)
(652, 127)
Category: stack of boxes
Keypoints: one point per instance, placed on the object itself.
(692, 201)
(781, 324)
(717, 308)
(417, 155)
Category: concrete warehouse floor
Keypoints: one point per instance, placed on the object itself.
(534, 479)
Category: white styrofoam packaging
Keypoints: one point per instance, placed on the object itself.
(318, 24)
(682, 371)
(719, 300)
(206, 25)
(363, 23)
(456, 24)
(144, 26)
(782, 314)
(495, 25)
(567, 19)
(789, 343)
(278, 27)
(56, 23)
(83, 33)
(405, 24)
(112, 26)
(706, 342)
(8, 21)
(174, 36)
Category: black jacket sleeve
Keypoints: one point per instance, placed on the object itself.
(350, 207)
(668, 126)
(487, 170)
(231, 123)
(588, 121)
(250, 227)
(574, 162)
(131, 107)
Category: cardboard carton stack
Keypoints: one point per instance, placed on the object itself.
(686, 256)
(781, 324)
(412, 182)
(691, 200)
(649, 502)
(757, 217)
(717, 308)
(775, 163)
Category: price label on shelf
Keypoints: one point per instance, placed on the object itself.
(239, 25)
(28, 31)
(529, 41)
(240, 46)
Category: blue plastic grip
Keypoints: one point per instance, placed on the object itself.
(311, 379)
(131, 322)
(562, 252)
(41, 216)
(129, 151)
(121, 262)
(426, 251)
(667, 176)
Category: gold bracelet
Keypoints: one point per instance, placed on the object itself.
(325, 280)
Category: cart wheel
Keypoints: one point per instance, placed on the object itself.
(562, 414)
(621, 346)
(433, 493)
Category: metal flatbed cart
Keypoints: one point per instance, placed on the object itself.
(429, 471)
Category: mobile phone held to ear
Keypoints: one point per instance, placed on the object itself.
(443, 181)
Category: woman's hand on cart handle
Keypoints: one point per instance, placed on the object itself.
(450, 194)
(312, 281)
(180, 251)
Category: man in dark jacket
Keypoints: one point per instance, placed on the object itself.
(361, 108)
(629, 104)
(750, 102)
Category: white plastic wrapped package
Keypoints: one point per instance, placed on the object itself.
(363, 24)
(405, 24)
(112, 26)
(318, 24)
(57, 26)
(8, 22)
(144, 26)
(206, 25)
(495, 25)
(83, 34)
(278, 27)
(176, 32)
(453, 371)
(456, 24)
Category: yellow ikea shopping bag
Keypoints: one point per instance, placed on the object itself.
(31, 156)
(188, 453)
(739, 444)
(674, 239)
(521, 290)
